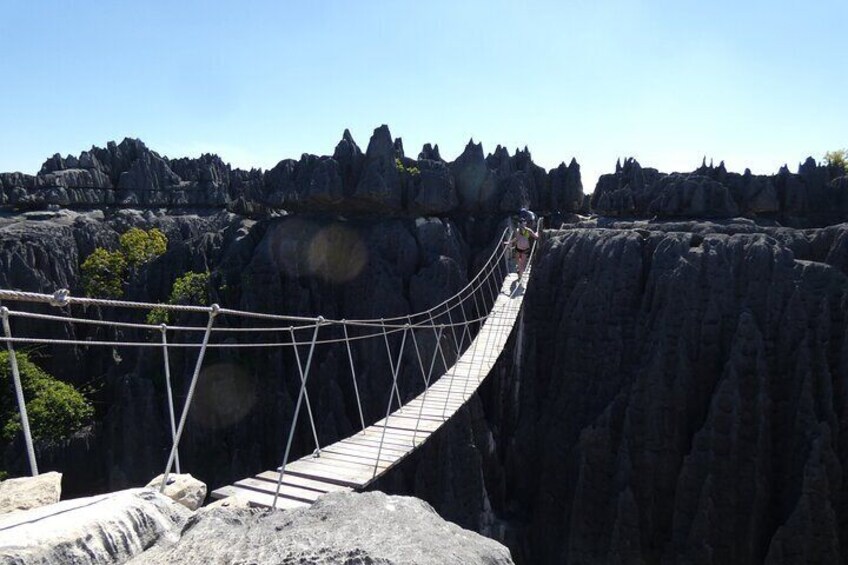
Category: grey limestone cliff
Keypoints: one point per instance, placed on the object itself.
(815, 196)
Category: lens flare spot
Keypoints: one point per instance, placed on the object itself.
(336, 254)
(226, 393)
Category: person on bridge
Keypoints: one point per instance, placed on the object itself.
(521, 240)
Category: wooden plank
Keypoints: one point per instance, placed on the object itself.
(369, 444)
(330, 473)
(407, 423)
(360, 453)
(368, 461)
(376, 431)
(288, 478)
(294, 493)
(350, 469)
(259, 498)
(393, 442)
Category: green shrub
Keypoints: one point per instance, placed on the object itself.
(55, 409)
(405, 170)
(141, 246)
(191, 288)
(103, 273)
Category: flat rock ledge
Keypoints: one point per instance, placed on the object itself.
(339, 528)
(109, 528)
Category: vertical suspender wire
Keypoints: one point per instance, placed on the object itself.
(490, 287)
(282, 470)
(353, 375)
(509, 246)
(395, 370)
(317, 452)
(444, 362)
(391, 362)
(213, 311)
(164, 329)
(439, 341)
(19, 393)
(453, 333)
(494, 316)
(465, 324)
(491, 316)
(450, 373)
(477, 338)
(425, 377)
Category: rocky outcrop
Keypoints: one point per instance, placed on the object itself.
(680, 396)
(24, 493)
(181, 488)
(815, 196)
(339, 528)
(109, 528)
(380, 182)
(688, 397)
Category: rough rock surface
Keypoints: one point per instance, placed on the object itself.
(130, 175)
(293, 265)
(681, 395)
(339, 528)
(101, 529)
(816, 196)
(182, 488)
(689, 396)
(24, 493)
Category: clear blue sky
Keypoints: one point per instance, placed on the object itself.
(756, 83)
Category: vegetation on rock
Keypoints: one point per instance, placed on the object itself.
(140, 246)
(56, 410)
(402, 169)
(191, 288)
(105, 273)
(837, 159)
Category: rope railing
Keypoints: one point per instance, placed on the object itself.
(453, 323)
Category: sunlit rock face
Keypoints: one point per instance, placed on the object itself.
(815, 196)
(339, 528)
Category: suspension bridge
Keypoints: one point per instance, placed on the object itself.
(452, 346)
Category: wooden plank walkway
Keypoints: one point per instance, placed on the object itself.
(351, 464)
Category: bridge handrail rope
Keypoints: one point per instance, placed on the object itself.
(150, 327)
(473, 286)
(63, 298)
(490, 275)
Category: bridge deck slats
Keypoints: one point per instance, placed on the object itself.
(259, 498)
(321, 486)
(349, 464)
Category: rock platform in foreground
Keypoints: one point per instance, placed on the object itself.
(339, 528)
(109, 528)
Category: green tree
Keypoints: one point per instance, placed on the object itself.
(104, 273)
(837, 160)
(55, 409)
(191, 288)
(141, 246)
